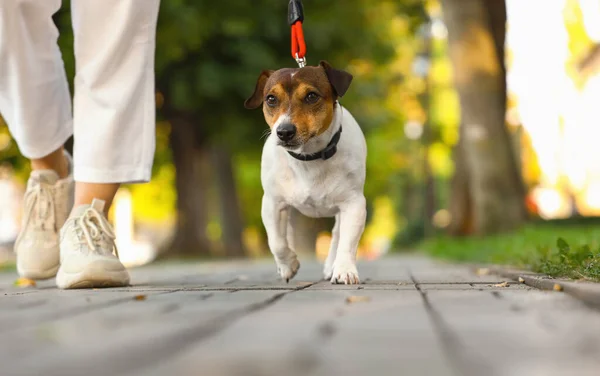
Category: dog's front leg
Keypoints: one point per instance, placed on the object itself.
(352, 224)
(335, 239)
(272, 216)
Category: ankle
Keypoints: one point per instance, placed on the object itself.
(77, 207)
(56, 161)
(86, 193)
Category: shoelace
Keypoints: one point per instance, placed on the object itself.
(40, 197)
(94, 226)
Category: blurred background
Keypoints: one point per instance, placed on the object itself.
(481, 118)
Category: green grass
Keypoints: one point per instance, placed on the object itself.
(7, 267)
(568, 250)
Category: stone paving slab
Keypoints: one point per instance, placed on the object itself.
(517, 333)
(116, 340)
(411, 316)
(318, 332)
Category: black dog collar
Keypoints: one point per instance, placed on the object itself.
(324, 154)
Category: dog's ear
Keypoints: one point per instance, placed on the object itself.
(256, 98)
(340, 80)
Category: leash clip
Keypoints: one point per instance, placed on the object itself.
(301, 61)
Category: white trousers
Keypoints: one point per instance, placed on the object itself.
(113, 117)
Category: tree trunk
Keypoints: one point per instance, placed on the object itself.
(231, 217)
(496, 11)
(429, 199)
(461, 206)
(191, 164)
(476, 30)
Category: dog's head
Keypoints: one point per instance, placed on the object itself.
(298, 104)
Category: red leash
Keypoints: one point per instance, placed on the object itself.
(295, 19)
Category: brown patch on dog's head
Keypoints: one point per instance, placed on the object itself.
(301, 98)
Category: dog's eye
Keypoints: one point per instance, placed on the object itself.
(311, 97)
(271, 100)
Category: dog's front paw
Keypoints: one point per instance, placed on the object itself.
(345, 273)
(288, 269)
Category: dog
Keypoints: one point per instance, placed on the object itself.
(314, 160)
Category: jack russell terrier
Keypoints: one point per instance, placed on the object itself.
(308, 163)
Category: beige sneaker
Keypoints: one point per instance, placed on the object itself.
(88, 254)
(48, 201)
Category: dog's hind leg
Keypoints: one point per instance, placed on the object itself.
(274, 216)
(335, 238)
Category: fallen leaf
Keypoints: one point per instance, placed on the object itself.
(557, 287)
(357, 299)
(483, 271)
(503, 284)
(139, 297)
(24, 282)
(521, 280)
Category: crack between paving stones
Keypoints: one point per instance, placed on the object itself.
(451, 345)
(75, 311)
(135, 357)
(206, 330)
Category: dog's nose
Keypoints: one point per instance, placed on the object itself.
(286, 132)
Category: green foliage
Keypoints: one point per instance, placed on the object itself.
(565, 261)
(10, 156)
(535, 247)
(210, 55)
(8, 267)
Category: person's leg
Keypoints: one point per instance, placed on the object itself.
(85, 193)
(36, 104)
(55, 161)
(114, 104)
(114, 120)
(34, 95)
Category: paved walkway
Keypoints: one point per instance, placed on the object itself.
(412, 316)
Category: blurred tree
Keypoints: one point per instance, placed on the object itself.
(233, 225)
(190, 157)
(583, 50)
(488, 193)
(208, 58)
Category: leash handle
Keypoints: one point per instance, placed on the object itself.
(295, 12)
(295, 19)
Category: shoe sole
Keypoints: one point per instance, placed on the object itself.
(92, 276)
(38, 275)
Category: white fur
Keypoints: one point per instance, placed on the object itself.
(281, 120)
(320, 188)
